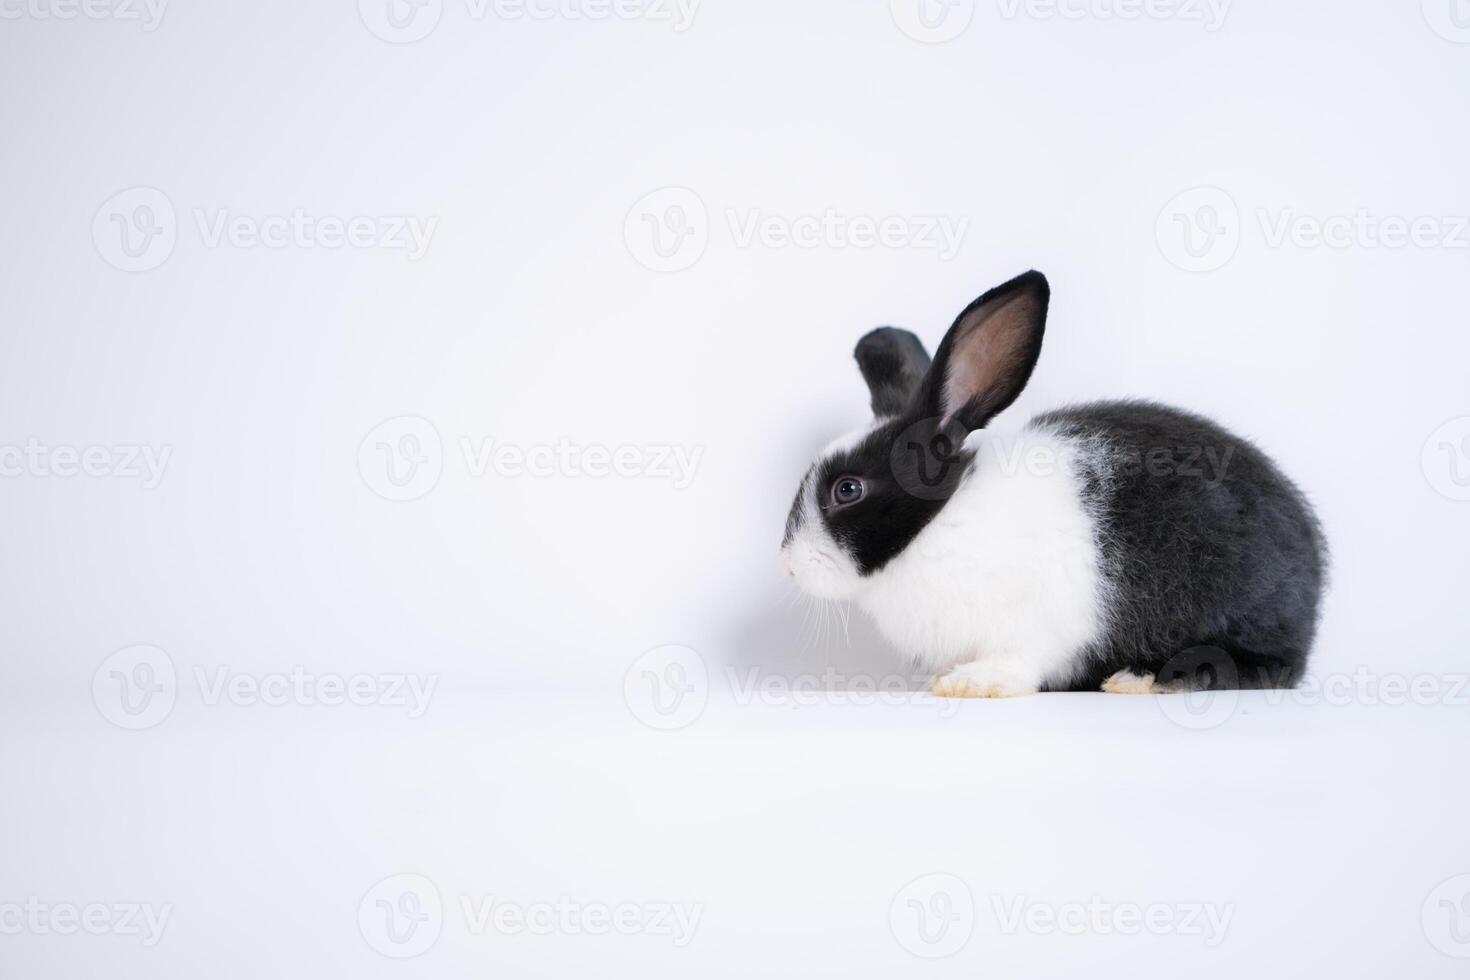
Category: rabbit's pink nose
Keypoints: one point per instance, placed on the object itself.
(786, 564)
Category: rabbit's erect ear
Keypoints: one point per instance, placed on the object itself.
(986, 358)
(893, 363)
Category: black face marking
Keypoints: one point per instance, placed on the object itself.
(877, 526)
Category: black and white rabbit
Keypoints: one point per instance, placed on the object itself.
(1122, 546)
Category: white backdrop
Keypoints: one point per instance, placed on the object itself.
(303, 259)
(522, 145)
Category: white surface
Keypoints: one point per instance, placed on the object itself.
(1323, 828)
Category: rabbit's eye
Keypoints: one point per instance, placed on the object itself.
(847, 490)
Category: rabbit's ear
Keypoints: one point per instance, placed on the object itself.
(893, 363)
(986, 358)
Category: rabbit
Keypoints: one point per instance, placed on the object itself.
(1121, 546)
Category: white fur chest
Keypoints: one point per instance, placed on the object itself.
(1008, 571)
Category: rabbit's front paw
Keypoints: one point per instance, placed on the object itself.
(982, 680)
(1127, 682)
